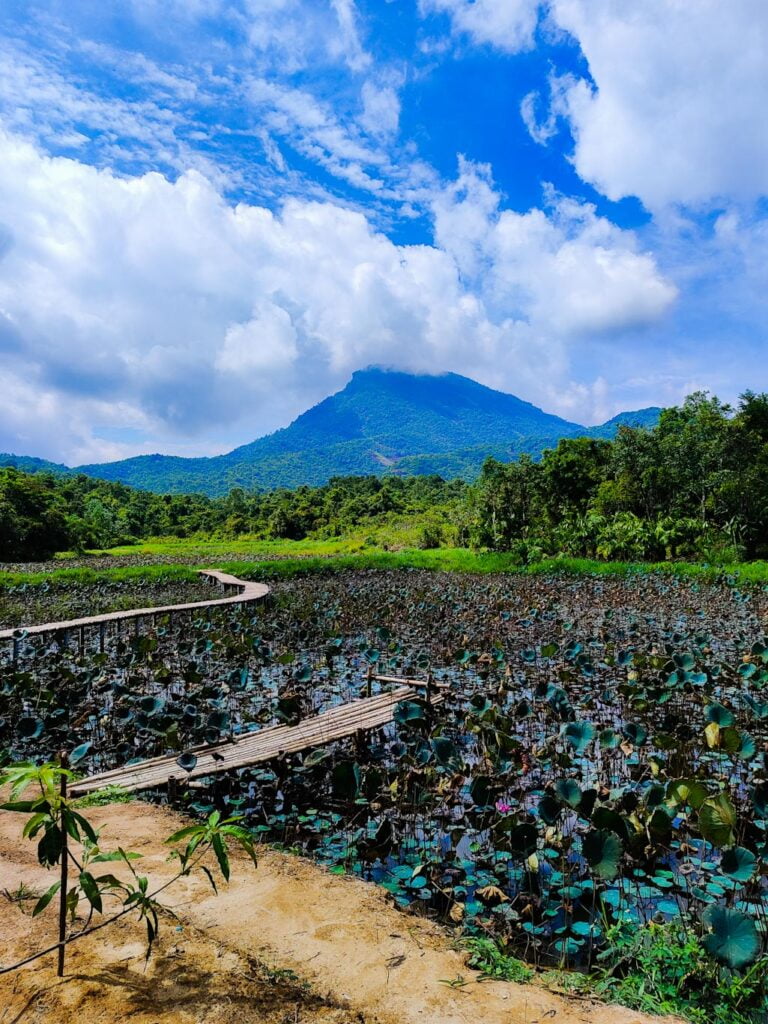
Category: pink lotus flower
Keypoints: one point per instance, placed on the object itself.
(503, 808)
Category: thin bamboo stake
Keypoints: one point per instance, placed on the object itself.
(64, 761)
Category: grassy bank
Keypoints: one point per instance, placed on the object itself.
(463, 560)
(286, 559)
(91, 577)
(383, 533)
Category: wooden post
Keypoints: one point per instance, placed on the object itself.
(15, 651)
(64, 762)
(370, 681)
(429, 689)
(82, 639)
(102, 632)
(172, 789)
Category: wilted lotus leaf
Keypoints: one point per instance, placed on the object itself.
(717, 818)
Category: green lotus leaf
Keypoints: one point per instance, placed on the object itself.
(522, 840)
(79, 753)
(446, 751)
(609, 739)
(29, 728)
(685, 661)
(636, 734)
(408, 711)
(719, 715)
(345, 780)
(480, 789)
(732, 937)
(579, 735)
(738, 863)
(549, 809)
(218, 720)
(688, 792)
(569, 792)
(603, 851)
(151, 705)
(187, 761)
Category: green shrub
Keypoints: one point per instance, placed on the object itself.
(663, 968)
(486, 957)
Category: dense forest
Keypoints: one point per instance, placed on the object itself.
(694, 486)
(43, 513)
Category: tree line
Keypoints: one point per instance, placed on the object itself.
(695, 486)
(42, 513)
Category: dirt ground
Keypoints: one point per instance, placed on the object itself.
(287, 943)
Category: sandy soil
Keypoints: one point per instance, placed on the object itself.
(286, 943)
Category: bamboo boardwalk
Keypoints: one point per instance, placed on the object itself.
(247, 592)
(253, 748)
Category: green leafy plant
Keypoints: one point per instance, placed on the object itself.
(486, 957)
(56, 825)
(663, 968)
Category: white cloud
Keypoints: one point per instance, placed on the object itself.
(540, 131)
(235, 78)
(507, 25)
(265, 343)
(381, 109)
(350, 43)
(677, 113)
(567, 269)
(193, 317)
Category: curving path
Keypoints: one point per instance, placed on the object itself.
(248, 592)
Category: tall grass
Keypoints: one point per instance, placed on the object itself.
(438, 559)
(92, 577)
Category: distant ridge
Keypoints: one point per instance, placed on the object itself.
(383, 421)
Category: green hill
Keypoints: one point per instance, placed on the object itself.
(382, 422)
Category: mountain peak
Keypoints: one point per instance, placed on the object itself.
(383, 420)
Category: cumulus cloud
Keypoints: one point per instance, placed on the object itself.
(265, 343)
(673, 108)
(191, 316)
(565, 269)
(507, 25)
(676, 107)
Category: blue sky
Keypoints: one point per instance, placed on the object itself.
(212, 212)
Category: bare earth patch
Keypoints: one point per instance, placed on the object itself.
(286, 944)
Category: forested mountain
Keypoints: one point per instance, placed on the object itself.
(693, 486)
(383, 422)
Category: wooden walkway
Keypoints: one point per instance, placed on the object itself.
(247, 592)
(253, 748)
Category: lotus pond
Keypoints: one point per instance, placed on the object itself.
(600, 756)
(58, 600)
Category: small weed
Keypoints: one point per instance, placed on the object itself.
(572, 983)
(107, 795)
(486, 957)
(22, 894)
(663, 969)
(458, 982)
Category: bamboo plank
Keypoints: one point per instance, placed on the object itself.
(254, 748)
(244, 738)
